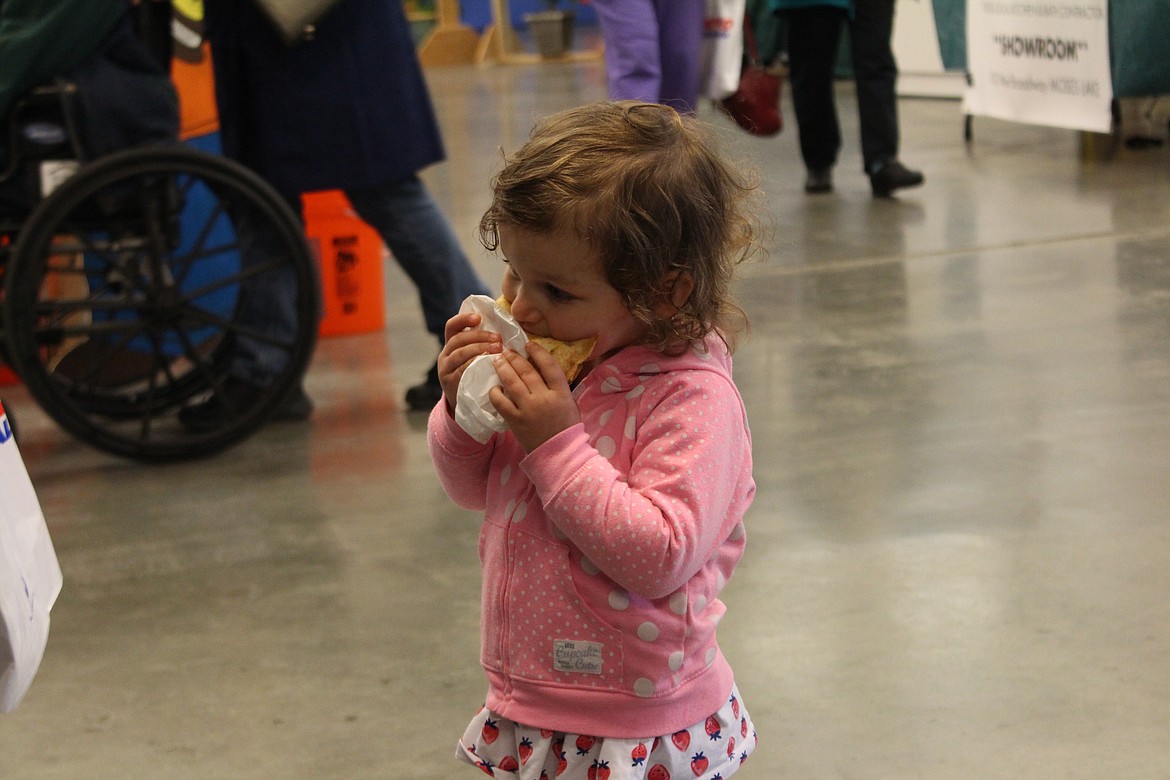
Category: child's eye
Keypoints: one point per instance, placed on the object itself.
(557, 294)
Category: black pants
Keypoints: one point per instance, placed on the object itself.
(813, 37)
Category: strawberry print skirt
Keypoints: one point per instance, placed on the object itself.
(712, 749)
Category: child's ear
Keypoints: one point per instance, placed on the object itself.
(676, 288)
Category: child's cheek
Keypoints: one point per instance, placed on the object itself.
(508, 287)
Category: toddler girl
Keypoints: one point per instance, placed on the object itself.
(613, 508)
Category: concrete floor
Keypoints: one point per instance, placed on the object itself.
(958, 561)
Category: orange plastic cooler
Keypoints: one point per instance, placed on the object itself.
(349, 254)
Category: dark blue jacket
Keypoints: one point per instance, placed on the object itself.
(347, 109)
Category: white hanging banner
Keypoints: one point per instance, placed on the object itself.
(1043, 62)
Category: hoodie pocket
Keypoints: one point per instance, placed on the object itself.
(554, 635)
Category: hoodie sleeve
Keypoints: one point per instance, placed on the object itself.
(462, 463)
(688, 485)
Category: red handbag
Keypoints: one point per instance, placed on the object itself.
(755, 106)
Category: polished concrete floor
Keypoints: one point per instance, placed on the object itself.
(959, 556)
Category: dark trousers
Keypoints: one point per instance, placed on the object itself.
(814, 35)
(418, 236)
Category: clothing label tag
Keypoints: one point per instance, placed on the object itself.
(574, 656)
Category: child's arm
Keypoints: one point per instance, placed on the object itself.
(461, 462)
(688, 486)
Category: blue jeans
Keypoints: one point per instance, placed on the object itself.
(266, 315)
(424, 245)
(418, 236)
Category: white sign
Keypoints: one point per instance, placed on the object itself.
(916, 49)
(1043, 62)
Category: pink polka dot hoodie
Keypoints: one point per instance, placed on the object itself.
(605, 549)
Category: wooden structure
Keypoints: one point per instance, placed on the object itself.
(454, 43)
(451, 42)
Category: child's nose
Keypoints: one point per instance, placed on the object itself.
(522, 310)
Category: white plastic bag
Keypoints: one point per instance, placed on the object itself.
(722, 58)
(30, 577)
(474, 411)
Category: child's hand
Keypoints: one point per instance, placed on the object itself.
(464, 343)
(533, 396)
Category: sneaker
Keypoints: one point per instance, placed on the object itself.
(893, 176)
(819, 181)
(423, 396)
(236, 398)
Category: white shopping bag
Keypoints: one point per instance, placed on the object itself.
(722, 60)
(30, 577)
(474, 411)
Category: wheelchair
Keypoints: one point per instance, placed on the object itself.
(125, 280)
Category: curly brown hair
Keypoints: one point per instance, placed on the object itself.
(648, 188)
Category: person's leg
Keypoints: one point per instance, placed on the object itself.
(265, 322)
(813, 37)
(629, 31)
(423, 243)
(876, 75)
(680, 41)
(269, 313)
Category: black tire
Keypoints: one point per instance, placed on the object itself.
(123, 292)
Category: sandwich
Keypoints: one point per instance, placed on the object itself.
(569, 354)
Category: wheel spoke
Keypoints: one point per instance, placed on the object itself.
(212, 319)
(131, 281)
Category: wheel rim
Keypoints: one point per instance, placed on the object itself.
(122, 299)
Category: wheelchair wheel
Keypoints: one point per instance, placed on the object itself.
(125, 299)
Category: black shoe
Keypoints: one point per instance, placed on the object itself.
(819, 181)
(893, 176)
(423, 397)
(236, 398)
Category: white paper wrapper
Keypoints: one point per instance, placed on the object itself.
(474, 411)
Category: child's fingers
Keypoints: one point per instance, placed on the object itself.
(473, 338)
(550, 370)
(516, 374)
(460, 323)
(503, 404)
(510, 381)
(462, 355)
(533, 410)
(462, 348)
